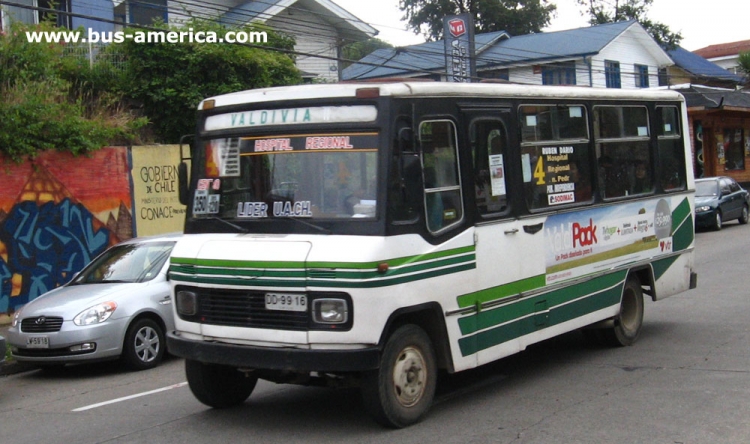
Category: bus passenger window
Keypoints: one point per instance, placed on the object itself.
(623, 150)
(672, 174)
(489, 153)
(555, 158)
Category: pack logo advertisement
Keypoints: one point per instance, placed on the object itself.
(585, 242)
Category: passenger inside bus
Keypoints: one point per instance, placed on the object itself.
(612, 177)
(641, 178)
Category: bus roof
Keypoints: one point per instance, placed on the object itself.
(437, 89)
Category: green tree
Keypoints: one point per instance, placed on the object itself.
(517, 17)
(168, 80)
(42, 109)
(744, 63)
(357, 50)
(607, 11)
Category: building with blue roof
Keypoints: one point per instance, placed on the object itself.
(614, 55)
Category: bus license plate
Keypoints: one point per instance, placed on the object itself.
(37, 342)
(286, 302)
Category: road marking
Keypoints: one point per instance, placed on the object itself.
(137, 395)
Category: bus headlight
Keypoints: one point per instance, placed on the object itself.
(330, 311)
(186, 303)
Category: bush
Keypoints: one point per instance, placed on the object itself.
(169, 80)
(43, 107)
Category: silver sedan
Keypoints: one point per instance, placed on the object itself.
(118, 306)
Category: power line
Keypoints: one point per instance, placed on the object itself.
(423, 53)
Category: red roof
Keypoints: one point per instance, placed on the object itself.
(723, 49)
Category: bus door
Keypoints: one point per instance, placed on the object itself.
(509, 243)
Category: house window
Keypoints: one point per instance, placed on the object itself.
(501, 74)
(144, 12)
(559, 74)
(734, 153)
(663, 77)
(612, 73)
(18, 14)
(641, 76)
(35, 16)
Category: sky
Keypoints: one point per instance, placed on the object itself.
(713, 22)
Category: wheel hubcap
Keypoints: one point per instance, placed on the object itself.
(409, 377)
(147, 344)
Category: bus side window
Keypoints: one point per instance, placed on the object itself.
(672, 174)
(555, 156)
(489, 154)
(443, 202)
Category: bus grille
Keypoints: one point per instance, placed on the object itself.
(240, 308)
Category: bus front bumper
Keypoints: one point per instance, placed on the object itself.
(267, 358)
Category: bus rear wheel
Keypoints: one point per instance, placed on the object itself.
(401, 391)
(218, 386)
(630, 319)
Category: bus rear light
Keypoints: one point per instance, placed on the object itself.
(368, 93)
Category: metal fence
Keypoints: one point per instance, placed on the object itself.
(95, 53)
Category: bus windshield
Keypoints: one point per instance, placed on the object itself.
(320, 176)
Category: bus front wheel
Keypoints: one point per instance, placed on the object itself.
(218, 386)
(630, 319)
(401, 391)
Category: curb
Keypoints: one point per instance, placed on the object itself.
(8, 368)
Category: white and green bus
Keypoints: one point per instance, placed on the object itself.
(371, 234)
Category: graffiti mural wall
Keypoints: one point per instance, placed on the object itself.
(57, 212)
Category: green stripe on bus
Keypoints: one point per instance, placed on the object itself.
(502, 291)
(393, 262)
(303, 273)
(491, 317)
(683, 232)
(296, 283)
(533, 316)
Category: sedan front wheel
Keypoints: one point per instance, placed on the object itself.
(717, 221)
(144, 344)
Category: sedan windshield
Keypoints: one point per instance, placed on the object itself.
(707, 188)
(127, 263)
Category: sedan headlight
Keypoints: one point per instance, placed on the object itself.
(96, 314)
(703, 209)
(16, 319)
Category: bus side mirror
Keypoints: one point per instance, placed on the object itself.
(182, 187)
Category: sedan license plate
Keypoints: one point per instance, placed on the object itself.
(37, 342)
(286, 302)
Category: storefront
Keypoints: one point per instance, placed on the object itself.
(720, 131)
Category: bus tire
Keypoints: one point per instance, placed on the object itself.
(401, 391)
(630, 319)
(218, 386)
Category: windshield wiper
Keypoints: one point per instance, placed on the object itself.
(311, 225)
(235, 226)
